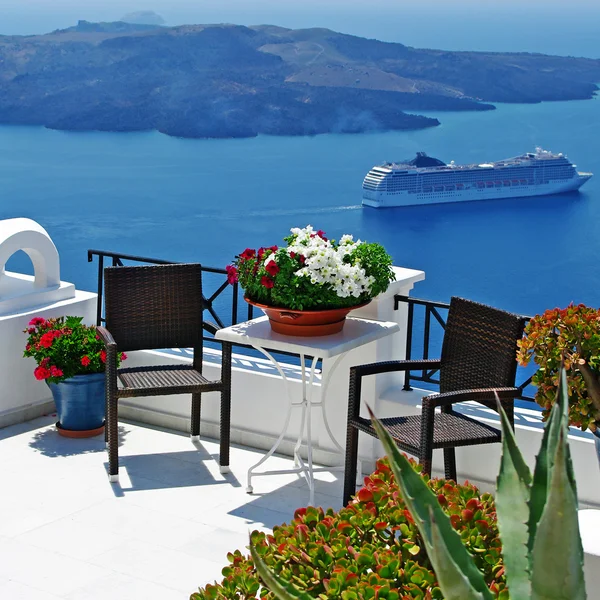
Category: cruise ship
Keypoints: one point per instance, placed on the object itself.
(427, 180)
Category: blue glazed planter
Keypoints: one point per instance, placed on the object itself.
(80, 402)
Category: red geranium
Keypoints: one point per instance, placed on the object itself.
(247, 254)
(267, 282)
(64, 347)
(272, 268)
(232, 274)
(41, 373)
(47, 339)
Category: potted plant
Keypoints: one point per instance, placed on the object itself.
(70, 358)
(572, 333)
(309, 286)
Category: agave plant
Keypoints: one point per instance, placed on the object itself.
(537, 517)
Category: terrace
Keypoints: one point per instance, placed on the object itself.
(166, 527)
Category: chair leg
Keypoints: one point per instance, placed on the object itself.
(195, 424)
(113, 439)
(450, 463)
(225, 432)
(426, 459)
(106, 417)
(350, 467)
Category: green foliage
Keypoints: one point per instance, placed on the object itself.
(64, 347)
(537, 516)
(572, 333)
(368, 550)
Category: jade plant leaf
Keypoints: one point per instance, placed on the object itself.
(512, 506)
(458, 577)
(284, 590)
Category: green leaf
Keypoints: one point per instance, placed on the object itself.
(454, 583)
(557, 422)
(557, 559)
(444, 546)
(283, 589)
(512, 506)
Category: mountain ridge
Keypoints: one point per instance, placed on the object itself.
(229, 80)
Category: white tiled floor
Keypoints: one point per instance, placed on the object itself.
(165, 530)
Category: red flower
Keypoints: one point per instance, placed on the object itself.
(232, 274)
(85, 361)
(37, 321)
(301, 258)
(247, 254)
(103, 355)
(47, 339)
(267, 282)
(44, 362)
(273, 249)
(261, 253)
(31, 330)
(321, 234)
(41, 373)
(272, 268)
(123, 356)
(56, 372)
(292, 255)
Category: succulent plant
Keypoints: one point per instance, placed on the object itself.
(537, 515)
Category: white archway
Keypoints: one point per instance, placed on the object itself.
(33, 239)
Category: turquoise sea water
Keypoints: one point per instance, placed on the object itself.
(206, 200)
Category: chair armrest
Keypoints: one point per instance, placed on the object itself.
(448, 398)
(106, 336)
(392, 366)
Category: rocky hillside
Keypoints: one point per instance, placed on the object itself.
(233, 81)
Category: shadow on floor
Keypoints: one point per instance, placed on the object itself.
(50, 443)
(188, 468)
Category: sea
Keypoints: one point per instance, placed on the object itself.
(207, 200)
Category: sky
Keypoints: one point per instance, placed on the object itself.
(534, 25)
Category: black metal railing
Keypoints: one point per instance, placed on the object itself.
(421, 341)
(218, 282)
(217, 279)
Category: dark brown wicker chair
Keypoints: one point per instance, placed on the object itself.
(478, 358)
(155, 307)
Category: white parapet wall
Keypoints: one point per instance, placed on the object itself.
(23, 297)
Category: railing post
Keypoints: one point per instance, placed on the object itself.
(100, 288)
(409, 328)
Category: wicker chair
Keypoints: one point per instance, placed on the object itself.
(478, 358)
(154, 307)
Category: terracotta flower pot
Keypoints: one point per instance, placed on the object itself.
(306, 323)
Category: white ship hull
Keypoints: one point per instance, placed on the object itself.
(377, 199)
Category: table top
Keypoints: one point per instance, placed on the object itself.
(356, 332)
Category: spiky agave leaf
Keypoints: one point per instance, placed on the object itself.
(513, 490)
(543, 465)
(457, 575)
(557, 553)
(284, 590)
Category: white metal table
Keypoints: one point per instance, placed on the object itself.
(258, 334)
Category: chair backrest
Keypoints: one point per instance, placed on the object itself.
(153, 307)
(480, 347)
